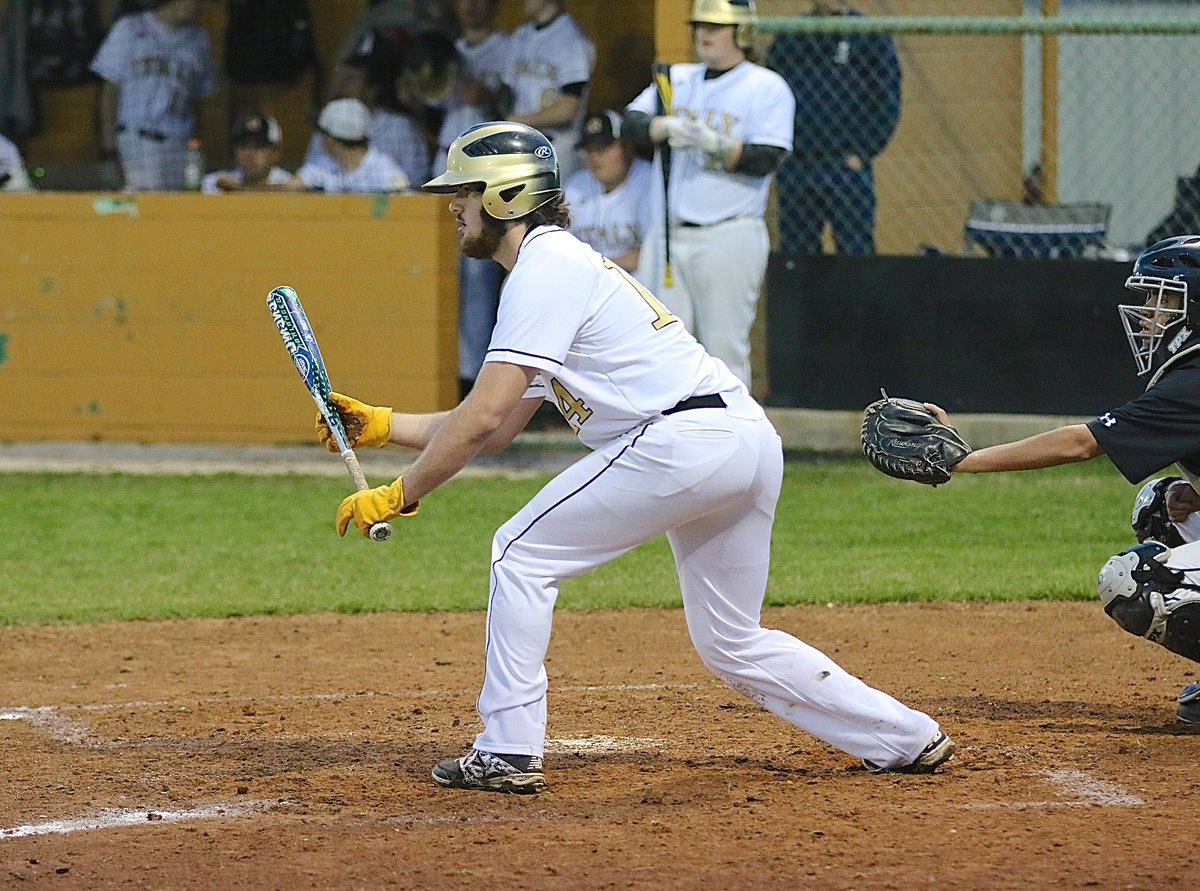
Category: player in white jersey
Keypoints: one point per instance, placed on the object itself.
(610, 199)
(257, 141)
(344, 125)
(679, 446)
(550, 61)
(729, 126)
(156, 67)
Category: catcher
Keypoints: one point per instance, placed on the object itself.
(1153, 589)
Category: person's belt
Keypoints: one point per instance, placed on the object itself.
(712, 400)
(145, 134)
(688, 224)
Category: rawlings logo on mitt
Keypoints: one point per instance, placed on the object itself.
(904, 439)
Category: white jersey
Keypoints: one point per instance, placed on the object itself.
(13, 177)
(485, 61)
(375, 173)
(749, 103)
(610, 355)
(392, 133)
(616, 222)
(161, 71)
(208, 185)
(541, 61)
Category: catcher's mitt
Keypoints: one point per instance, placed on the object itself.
(904, 439)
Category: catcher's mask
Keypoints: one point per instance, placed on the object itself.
(739, 13)
(515, 165)
(1163, 272)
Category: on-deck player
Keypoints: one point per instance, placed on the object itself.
(730, 125)
(156, 67)
(679, 446)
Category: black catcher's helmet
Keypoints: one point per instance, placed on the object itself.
(1168, 273)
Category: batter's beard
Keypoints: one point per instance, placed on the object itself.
(484, 245)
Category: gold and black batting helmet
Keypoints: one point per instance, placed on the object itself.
(515, 165)
(739, 13)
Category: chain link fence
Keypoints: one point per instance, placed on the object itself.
(1018, 136)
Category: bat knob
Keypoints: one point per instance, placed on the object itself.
(381, 532)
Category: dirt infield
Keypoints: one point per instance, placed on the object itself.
(295, 753)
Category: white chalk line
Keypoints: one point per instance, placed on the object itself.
(50, 719)
(113, 818)
(1087, 791)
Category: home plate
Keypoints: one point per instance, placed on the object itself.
(603, 744)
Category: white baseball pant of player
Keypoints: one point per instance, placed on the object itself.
(717, 270)
(710, 479)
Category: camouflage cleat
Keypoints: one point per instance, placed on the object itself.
(486, 772)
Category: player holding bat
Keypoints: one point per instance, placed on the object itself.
(722, 126)
(678, 447)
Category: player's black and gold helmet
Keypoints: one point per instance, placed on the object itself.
(514, 164)
(739, 13)
(1168, 273)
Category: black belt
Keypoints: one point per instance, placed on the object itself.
(146, 134)
(713, 400)
(688, 224)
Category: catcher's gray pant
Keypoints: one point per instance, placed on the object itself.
(710, 479)
(717, 272)
(152, 164)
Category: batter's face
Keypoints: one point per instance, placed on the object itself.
(479, 234)
(608, 163)
(715, 46)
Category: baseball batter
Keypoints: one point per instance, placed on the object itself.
(548, 67)
(729, 127)
(679, 446)
(1151, 590)
(156, 67)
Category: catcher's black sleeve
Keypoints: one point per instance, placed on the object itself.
(1159, 428)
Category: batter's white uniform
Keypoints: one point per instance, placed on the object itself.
(541, 61)
(613, 223)
(615, 361)
(719, 241)
(162, 72)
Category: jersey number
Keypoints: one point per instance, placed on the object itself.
(663, 315)
(570, 406)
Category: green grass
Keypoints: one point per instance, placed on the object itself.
(77, 548)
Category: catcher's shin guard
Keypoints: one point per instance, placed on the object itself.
(1147, 598)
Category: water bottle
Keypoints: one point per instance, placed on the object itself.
(193, 167)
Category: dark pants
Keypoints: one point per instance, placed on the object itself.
(813, 194)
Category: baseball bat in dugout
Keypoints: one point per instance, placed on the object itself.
(301, 344)
(662, 83)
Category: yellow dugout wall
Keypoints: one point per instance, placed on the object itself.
(144, 318)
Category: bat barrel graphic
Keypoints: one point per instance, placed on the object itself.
(301, 344)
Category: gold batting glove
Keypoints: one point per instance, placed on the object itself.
(365, 424)
(371, 506)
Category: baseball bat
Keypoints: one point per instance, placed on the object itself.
(301, 345)
(662, 81)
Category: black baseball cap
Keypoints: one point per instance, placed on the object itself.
(257, 129)
(602, 128)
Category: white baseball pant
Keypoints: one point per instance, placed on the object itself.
(718, 271)
(710, 479)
